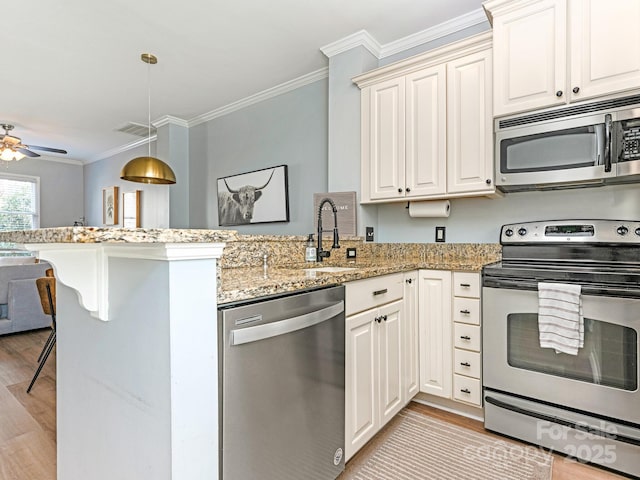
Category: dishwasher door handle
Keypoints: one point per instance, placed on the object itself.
(260, 332)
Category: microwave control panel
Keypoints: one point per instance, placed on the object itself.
(630, 144)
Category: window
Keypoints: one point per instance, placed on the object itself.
(19, 202)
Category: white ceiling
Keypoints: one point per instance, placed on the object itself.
(72, 71)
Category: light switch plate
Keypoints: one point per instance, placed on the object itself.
(369, 234)
(441, 234)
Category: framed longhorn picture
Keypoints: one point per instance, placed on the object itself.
(261, 196)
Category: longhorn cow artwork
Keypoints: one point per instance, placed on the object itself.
(254, 197)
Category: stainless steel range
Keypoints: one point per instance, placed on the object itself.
(586, 406)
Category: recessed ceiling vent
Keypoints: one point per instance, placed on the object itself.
(137, 129)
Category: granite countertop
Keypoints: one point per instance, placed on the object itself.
(238, 284)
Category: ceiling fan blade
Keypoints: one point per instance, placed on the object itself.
(47, 149)
(28, 153)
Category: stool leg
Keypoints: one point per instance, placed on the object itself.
(44, 360)
(46, 345)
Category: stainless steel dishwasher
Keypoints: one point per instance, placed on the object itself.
(282, 387)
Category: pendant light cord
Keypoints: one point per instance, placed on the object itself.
(149, 108)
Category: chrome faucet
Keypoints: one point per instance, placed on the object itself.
(320, 253)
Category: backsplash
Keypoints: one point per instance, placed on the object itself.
(288, 250)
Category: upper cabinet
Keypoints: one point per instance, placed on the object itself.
(427, 125)
(552, 52)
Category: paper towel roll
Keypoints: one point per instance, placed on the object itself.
(431, 208)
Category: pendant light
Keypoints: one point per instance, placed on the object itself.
(148, 169)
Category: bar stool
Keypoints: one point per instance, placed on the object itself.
(47, 291)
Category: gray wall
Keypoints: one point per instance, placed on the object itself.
(289, 129)
(61, 189)
(106, 173)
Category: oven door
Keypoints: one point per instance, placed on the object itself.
(603, 377)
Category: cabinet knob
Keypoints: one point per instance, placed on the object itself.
(465, 390)
(559, 93)
(407, 189)
(378, 319)
(488, 181)
(399, 190)
(465, 364)
(465, 337)
(576, 89)
(409, 280)
(384, 317)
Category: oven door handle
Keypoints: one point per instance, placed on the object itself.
(563, 422)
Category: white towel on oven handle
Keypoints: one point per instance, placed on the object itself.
(560, 320)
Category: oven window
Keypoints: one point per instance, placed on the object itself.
(609, 356)
(571, 148)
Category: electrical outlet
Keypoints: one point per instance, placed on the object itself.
(441, 234)
(351, 253)
(369, 234)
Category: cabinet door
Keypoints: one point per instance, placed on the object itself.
(605, 41)
(469, 124)
(434, 300)
(390, 360)
(361, 394)
(530, 44)
(387, 139)
(426, 132)
(410, 335)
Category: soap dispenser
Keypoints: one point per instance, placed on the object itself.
(310, 251)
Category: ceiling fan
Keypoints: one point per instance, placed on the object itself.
(12, 148)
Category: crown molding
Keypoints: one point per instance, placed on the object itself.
(261, 96)
(443, 29)
(364, 39)
(358, 39)
(122, 148)
(171, 120)
(69, 161)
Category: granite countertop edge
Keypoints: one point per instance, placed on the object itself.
(248, 283)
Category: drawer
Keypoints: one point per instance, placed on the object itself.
(467, 389)
(466, 363)
(466, 310)
(365, 294)
(466, 336)
(466, 284)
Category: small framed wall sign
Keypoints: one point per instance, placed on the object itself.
(345, 204)
(261, 196)
(110, 206)
(131, 209)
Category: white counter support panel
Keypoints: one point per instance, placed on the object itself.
(137, 389)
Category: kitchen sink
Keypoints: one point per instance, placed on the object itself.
(330, 269)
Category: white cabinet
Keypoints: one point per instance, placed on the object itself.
(410, 338)
(450, 357)
(427, 125)
(373, 357)
(435, 332)
(551, 52)
(469, 124)
(467, 386)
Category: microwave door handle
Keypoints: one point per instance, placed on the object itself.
(607, 142)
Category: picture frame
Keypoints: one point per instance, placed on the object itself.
(131, 209)
(259, 196)
(110, 206)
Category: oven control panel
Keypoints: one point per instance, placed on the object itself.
(568, 231)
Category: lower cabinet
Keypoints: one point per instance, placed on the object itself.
(374, 357)
(449, 323)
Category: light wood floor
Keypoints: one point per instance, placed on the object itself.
(28, 421)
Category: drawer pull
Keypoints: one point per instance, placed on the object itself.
(380, 292)
(465, 390)
(465, 312)
(465, 285)
(465, 364)
(465, 337)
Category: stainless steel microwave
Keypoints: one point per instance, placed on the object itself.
(578, 146)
